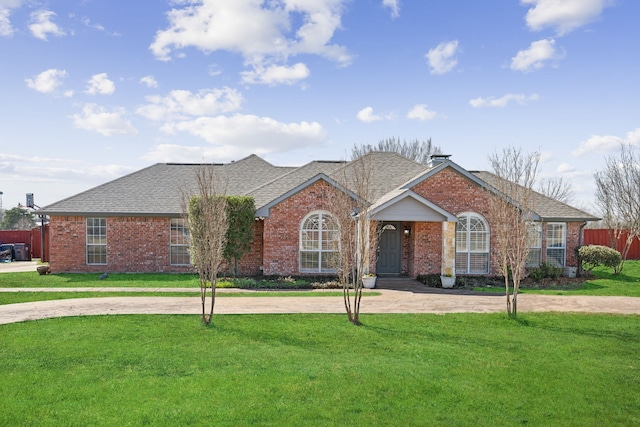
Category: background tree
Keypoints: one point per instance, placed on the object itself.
(350, 208)
(206, 213)
(511, 211)
(417, 150)
(241, 217)
(18, 218)
(557, 188)
(618, 196)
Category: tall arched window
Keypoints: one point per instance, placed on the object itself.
(472, 244)
(319, 242)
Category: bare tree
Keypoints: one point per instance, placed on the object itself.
(618, 196)
(557, 188)
(420, 151)
(350, 207)
(511, 209)
(206, 213)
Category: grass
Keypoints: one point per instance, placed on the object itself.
(144, 280)
(456, 369)
(18, 297)
(603, 283)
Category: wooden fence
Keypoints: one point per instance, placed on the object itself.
(31, 237)
(604, 237)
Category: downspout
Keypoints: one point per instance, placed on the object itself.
(580, 240)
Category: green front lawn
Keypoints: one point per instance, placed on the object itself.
(143, 280)
(401, 370)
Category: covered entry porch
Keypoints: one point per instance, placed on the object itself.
(415, 237)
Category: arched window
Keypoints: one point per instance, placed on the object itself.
(319, 242)
(472, 244)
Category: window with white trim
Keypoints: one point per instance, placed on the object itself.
(534, 244)
(472, 244)
(556, 243)
(96, 241)
(179, 242)
(319, 242)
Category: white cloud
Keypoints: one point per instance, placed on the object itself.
(239, 135)
(607, 143)
(394, 5)
(149, 81)
(99, 84)
(5, 11)
(564, 168)
(276, 74)
(99, 119)
(441, 58)
(262, 32)
(534, 58)
(503, 101)
(180, 104)
(41, 24)
(366, 115)
(47, 81)
(563, 15)
(420, 112)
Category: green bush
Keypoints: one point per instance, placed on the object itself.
(545, 271)
(595, 255)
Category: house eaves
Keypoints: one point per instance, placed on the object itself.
(406, 205)
(265, 210)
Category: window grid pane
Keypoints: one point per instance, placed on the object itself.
(96, 244)
(179, 242)
(472, 245)
(319, 243)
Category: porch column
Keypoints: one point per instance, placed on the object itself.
(448, 249)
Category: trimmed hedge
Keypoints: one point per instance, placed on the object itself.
(595, 255)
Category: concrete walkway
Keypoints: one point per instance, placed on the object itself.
(397, 295)
(390, 301)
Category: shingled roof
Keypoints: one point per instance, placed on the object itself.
(158, 190)
(547, 208)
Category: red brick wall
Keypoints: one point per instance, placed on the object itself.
(134, 244)
(426, 254)
(282, 227)
(457, 194)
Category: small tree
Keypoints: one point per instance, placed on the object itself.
(618, 196)
(419, 151)
(18, 218)
(592, 256)
(511, 211)
(207, 221)
(241, 216)
(350, 208)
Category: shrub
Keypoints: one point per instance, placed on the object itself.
(545, 271)
(595, 255)
(431, 280)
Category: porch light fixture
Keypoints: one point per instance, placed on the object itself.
(407, 231)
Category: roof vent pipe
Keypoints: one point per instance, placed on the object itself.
(436, 159)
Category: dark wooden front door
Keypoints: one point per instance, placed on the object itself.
(390, 249)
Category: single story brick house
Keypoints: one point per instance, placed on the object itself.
(435, 219)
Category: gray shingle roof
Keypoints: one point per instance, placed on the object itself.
(158, 190)
(547, 208)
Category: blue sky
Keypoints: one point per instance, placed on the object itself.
(92, 90)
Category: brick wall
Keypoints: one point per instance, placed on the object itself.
(457, 194)
(281, 228)
(134, 244)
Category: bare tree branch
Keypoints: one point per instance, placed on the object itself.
(206, 215)
(618, 196)
(557, 188)
(420, 151)
(511, 211)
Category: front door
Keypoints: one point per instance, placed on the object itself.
(390, 249)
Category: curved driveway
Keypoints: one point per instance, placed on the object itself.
(390, 301)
